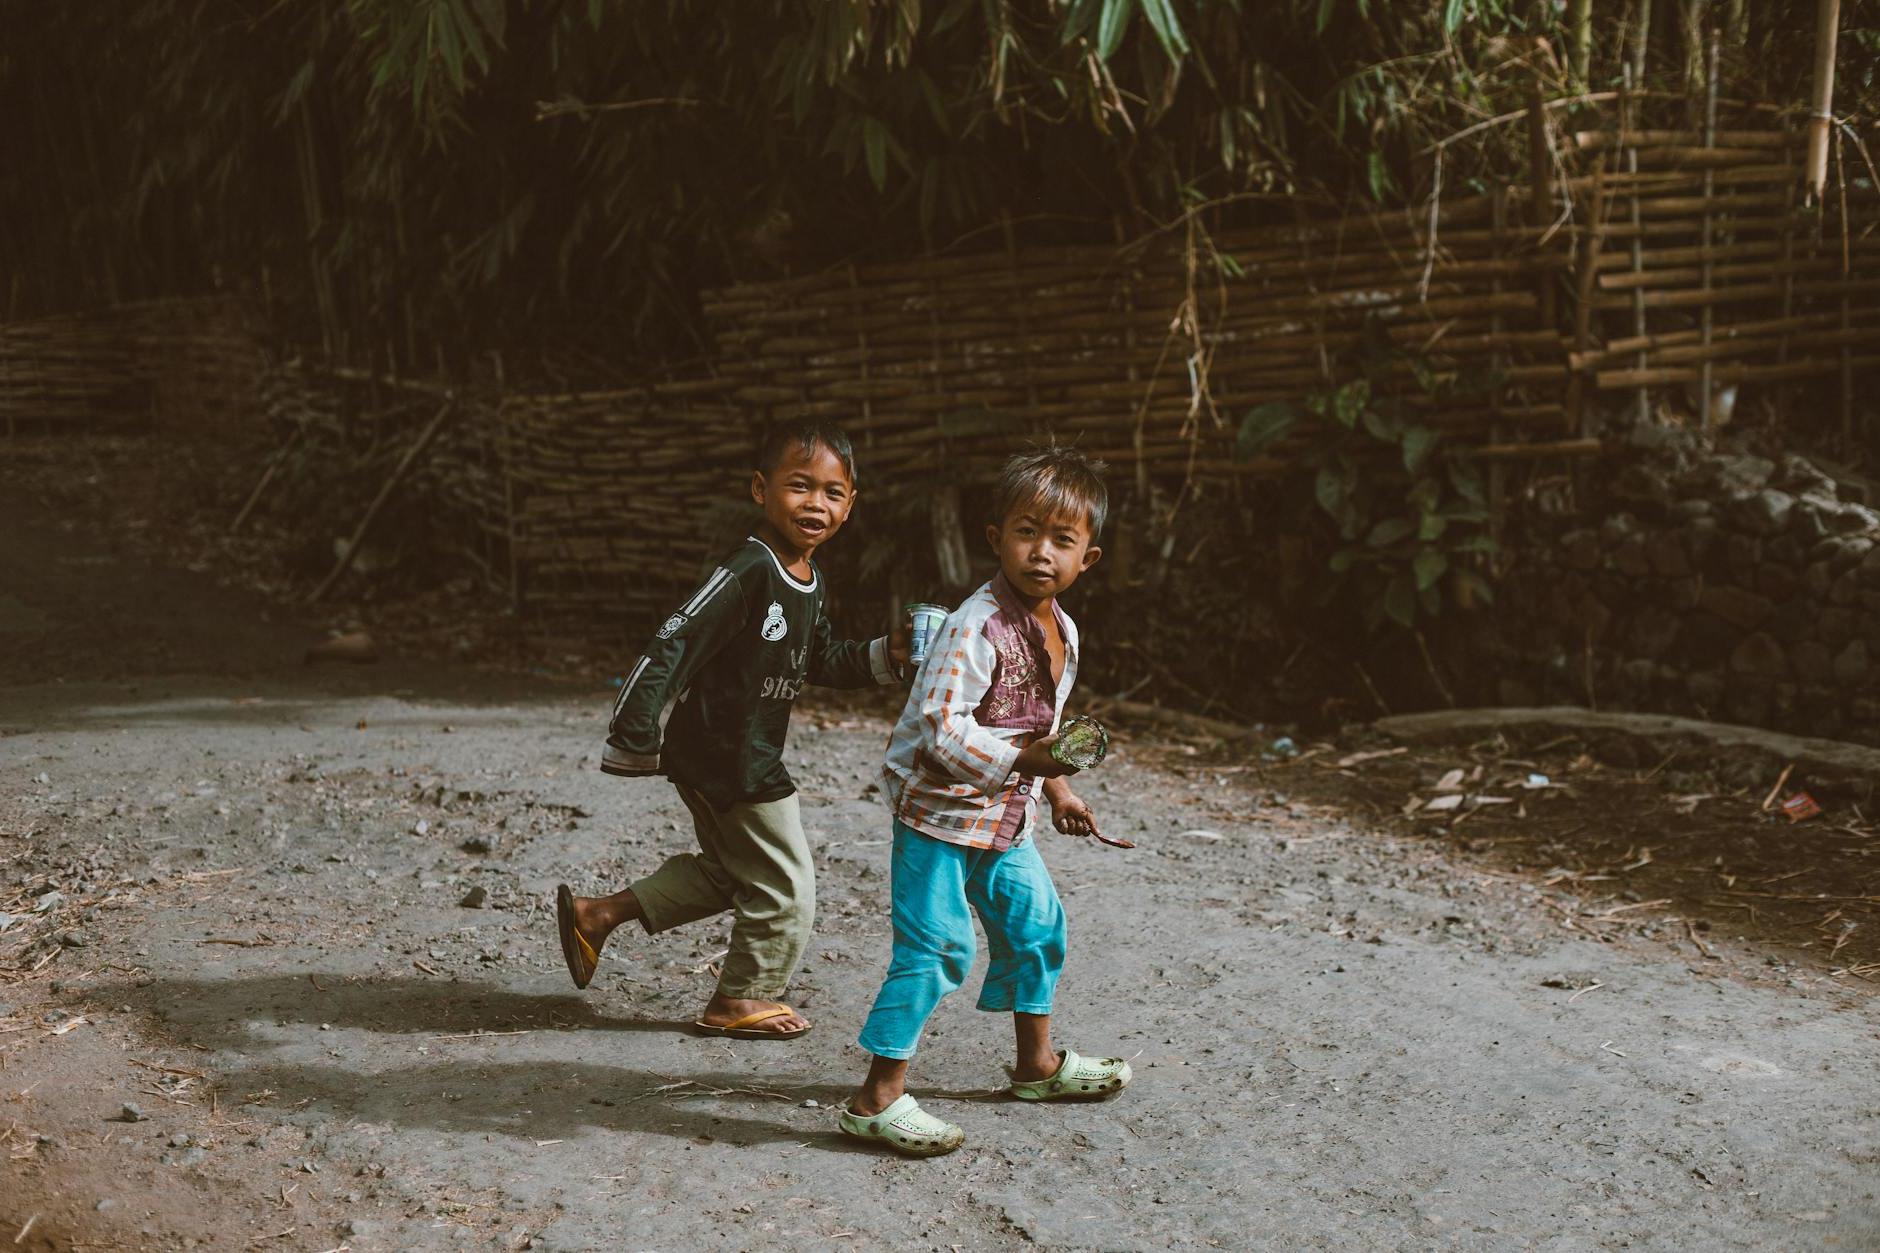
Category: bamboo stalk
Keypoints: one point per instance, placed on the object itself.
(1821, 100)
(1708, 277)
(1660, 375)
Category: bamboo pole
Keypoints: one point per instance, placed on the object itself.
(1642, 399)
(1710, 139)
(1583, 305)
(1821, 101)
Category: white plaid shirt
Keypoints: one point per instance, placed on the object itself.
(983, 694)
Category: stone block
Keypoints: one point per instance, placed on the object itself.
(1816, 580)
(1665, 554)
(1742, 609)
(1785, 550)
(1777, 583)
(1846, 589)
(1707, 640)
(1792, 624)
(1835, 627)
(1580, 550)
(1742, 555)
(1851, 663)
(1683, 594)
(1652, 632)
(1759, 656)
(1811, 661)
(1762, 513)
(1746, 701)
(1592, 616)
(1705, 690)
(1850, 553)
(1630, 557)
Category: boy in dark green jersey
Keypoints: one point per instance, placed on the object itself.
(729, 663)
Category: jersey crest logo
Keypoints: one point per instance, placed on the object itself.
(774, 628)
(672, 624)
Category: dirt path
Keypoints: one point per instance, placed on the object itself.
(1344, 1038)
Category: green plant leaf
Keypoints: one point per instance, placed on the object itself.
(1476, 544)
(875, 148)
(1348, 402)
(1113, 25)
(1389, 531)
(1400, 600)
(1432, 527)
(1429, 565)
(1343, 560)
(1329, 489)
(1431, 598)
(1418, 443)
(1467, 481)
(1387, 427)
(1168, 29)
(1264, 426)
(1452, 15)
(1325, 15)
(1480, 588)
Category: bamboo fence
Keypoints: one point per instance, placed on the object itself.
(172, 364)
(1650, 259)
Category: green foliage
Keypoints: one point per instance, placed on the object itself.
(1408, 517)
(447, 175)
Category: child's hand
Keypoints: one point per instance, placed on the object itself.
(901, 647)
(1035, 759)
(1070, 815)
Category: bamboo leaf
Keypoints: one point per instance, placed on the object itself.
(1168, 28)
(1113, 25)
(875, 149)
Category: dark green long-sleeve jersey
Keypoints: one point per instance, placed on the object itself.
(729, 663)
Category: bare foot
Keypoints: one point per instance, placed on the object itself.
(722, 1011)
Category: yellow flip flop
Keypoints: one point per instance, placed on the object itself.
(744, 1028)
(582, 957)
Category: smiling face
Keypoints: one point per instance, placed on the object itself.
(806, 497)
(1042, 555)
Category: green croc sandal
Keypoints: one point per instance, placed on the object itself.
(906, 1128)
(1078, 1079)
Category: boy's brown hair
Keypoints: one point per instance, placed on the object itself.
(1055, 481)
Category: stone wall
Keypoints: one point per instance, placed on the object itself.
(1728, 586)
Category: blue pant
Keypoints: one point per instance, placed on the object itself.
(934, 882)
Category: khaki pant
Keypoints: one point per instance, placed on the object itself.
(755, 860)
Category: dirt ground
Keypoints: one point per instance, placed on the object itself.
(236, 894)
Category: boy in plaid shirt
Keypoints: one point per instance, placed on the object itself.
(968, 758)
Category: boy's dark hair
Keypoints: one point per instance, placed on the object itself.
(1057, 481)
(804, 436)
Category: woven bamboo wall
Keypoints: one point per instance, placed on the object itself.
(177, 364)
(1703, 257)
(975, 355)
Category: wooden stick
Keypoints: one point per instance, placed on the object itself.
(418, 445)
(274, 464)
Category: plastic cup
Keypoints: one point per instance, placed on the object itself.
(925, 621)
